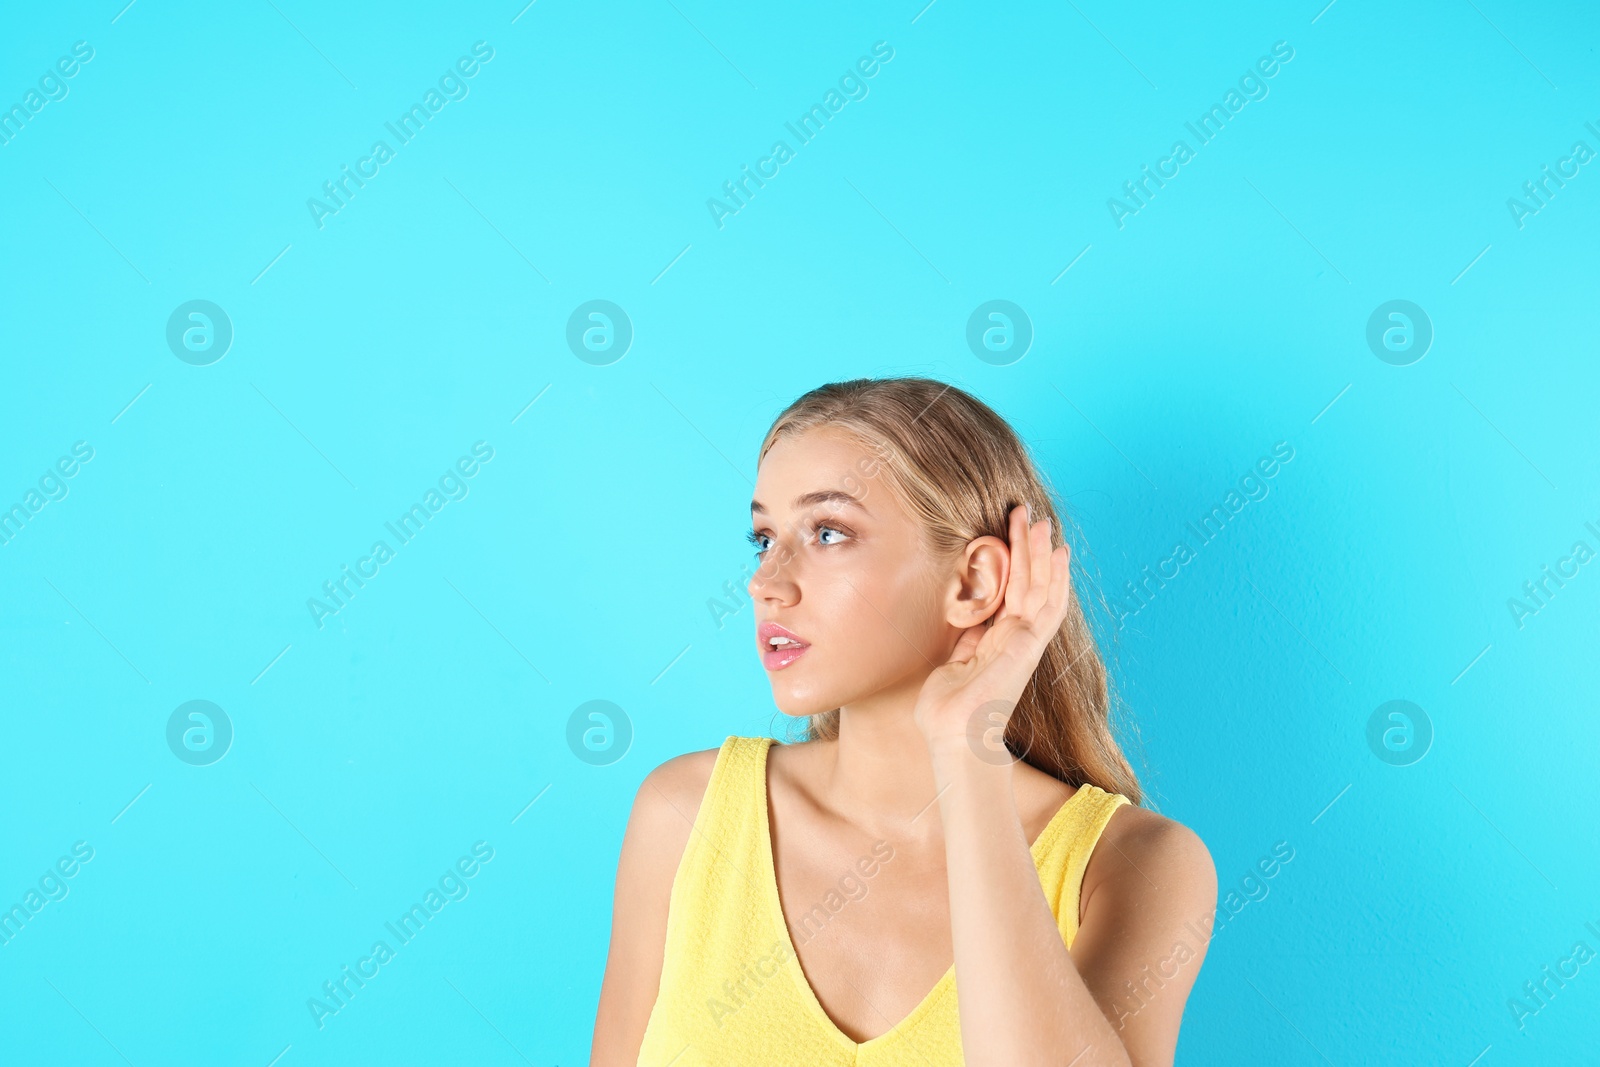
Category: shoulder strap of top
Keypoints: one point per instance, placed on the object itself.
(1066, 852)
(722, 935)
(727, 824)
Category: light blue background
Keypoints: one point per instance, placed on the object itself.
(1227, 315)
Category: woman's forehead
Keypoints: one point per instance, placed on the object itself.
(831, 468)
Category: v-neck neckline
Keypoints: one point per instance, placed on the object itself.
(769, 878)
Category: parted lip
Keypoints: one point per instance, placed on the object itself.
(768, 630)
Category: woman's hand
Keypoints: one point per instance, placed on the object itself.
(976, 690)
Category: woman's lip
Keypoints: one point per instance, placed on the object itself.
(766, 631)
(776, 659)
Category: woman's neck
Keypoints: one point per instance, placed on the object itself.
(879, 770)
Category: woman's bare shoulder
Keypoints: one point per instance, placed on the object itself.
(1150, 848)
(1149, 900)
(664, 810)
(665, 806)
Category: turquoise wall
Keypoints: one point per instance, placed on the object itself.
(408, 358)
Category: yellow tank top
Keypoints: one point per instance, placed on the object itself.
(732, 992)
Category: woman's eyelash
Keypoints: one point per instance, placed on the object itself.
(755, 538)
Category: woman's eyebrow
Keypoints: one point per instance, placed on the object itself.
(819, 496)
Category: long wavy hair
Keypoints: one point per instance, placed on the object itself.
(959, 469)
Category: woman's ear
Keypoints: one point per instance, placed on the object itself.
(978, 586)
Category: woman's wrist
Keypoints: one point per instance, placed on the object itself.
(976, 798)
(975, 737)
(958, 756)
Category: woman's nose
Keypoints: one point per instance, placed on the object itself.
(774, 577)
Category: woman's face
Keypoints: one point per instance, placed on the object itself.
(843, 568)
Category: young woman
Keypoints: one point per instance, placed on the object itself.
(957, 814)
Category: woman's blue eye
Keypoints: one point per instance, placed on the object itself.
(757, 538)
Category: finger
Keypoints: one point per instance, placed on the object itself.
(1017, 580)
(1039, 573)
(1060, 582)
(966, 645)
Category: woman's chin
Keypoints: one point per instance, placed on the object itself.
(800, 705)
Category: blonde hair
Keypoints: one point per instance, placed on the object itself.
(959, 469)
